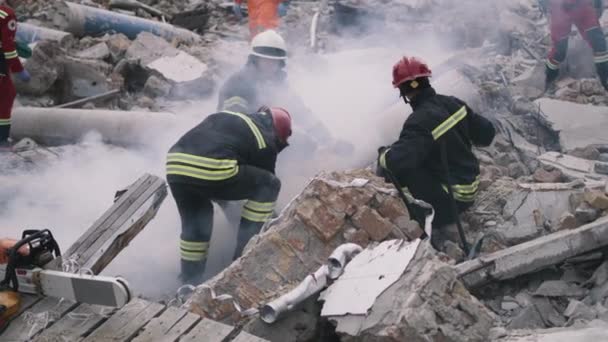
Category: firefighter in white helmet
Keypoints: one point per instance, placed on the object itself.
(262, 80)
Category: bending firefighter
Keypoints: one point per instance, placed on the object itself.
(263, 14)
(9, 63)
(229, 156)
(263, 80)
(584, 14)
(434, 148)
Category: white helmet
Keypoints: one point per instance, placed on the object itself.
(269, 44)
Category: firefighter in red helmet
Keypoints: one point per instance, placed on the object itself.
(434, 149)
(229, 156)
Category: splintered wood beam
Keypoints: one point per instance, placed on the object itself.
(113, 231)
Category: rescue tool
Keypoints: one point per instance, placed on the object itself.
(26, 274)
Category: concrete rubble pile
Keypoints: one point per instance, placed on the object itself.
(541, 212)
(540, 216)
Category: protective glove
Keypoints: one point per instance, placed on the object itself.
(283, 8)
(379, 169)
(24, 76)
(236, 9)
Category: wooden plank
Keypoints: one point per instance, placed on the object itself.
(135, 220)
(75, 325)
(208, 331)
(246, 337)
(95, 231)
(36, 318)
(168, 327)
(126, 323)
(118, 226)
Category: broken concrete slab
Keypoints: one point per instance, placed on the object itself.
(426, 303)
(528, 318)
(534, 255)
(559, 288)
(525, 208)
(179, 68)
(578, 125)
(147, 48)
(572, 167)
(293, 245)
(84, 78)
(577, 310)
(97, 51)
(594, 331)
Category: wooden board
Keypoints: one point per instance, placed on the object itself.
(208, 331)
(36, 318)
(75, 324)
(125, 323)
(115, 228)
(169, 326)
(246, 337)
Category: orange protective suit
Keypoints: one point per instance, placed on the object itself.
(263, 15)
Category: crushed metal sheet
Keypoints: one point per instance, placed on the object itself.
(368, 275)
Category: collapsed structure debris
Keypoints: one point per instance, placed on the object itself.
(540, 217)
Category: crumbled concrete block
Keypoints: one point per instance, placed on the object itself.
(559, 288)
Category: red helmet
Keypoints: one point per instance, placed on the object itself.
(281, 119)
(409, 68)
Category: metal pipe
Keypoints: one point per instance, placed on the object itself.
(134, 5)
(55, 126)
(338, 259)
(85, 20)
(31, 33)
(312, 284)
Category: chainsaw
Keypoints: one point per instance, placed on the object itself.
(25, 274)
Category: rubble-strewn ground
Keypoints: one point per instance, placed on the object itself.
(545, 173)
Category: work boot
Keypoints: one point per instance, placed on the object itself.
(602, 72)
(550, 77)
(441, 235)
(247, 230)
(192, 272)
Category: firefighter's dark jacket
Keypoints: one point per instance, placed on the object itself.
(213, 150)
(439, 119)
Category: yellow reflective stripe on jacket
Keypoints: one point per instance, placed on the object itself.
(449, 123)
(11, 54)
(235, 101)
(5, 122)
(3, 14)
(260, 206)
(254, 129)
(190, 171)
(383, 158)
(211, 163)
(601, 58)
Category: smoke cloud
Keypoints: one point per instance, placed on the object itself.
(349, 90)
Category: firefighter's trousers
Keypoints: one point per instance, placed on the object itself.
(260, 189)
(7, 97)
(424, 186)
